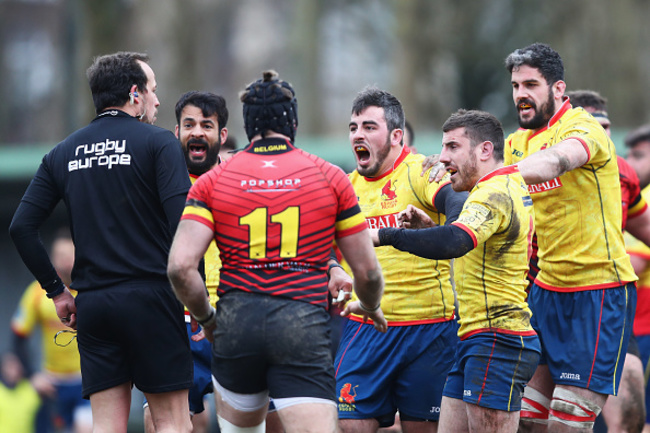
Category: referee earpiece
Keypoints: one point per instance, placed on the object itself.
(132, 97)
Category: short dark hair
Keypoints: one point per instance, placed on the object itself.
(373, 97)
(587, 98)
(111, 76)
(209, 104)
(480, 126)
(541, 57)
(640, 134)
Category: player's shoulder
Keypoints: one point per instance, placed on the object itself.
(579, 116)
(517, 134)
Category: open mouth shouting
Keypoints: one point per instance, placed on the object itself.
(197, 149)
(362, 153)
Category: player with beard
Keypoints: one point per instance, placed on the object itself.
(201, 119)
(499, 350)
(584, 296)
(405, 369)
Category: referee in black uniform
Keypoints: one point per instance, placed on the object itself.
(124, 183)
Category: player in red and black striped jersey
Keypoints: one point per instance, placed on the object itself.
(274, 211)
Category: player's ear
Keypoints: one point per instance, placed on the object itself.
(559, 87)
(486, 150)
(396, 136)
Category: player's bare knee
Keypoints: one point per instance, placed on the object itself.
(633, 409)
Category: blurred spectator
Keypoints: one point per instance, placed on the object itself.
(60, 381)
(19, 401)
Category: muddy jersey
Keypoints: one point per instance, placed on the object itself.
(416, 290)
(578, 214)
(275, 211)
(632, 204)
(491, 278)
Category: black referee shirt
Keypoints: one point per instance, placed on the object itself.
(117, 177)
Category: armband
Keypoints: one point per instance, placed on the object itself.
(329, 268)
(209, 320)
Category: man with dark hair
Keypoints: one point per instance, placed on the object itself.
(274, 211)
(584, 296)
(498, 349)
(201, 119)
(405, 369)
(625, 411)
(124, 184)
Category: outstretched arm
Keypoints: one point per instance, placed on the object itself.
(441, 242)
(554, 161)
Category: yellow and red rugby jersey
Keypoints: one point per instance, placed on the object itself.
(491, 278)
(416, 290)
(212, 264)
(637, 248)
(275, 211)
(36, 309)
(577, 215)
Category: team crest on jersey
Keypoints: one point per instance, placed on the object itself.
(388, 191)
(347, 395)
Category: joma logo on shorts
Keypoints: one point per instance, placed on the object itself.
(467, 392)
(572, 376)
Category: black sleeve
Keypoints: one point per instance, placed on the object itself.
(450, 202)
(20, 347)
(174, 210)
(24, 231)
(442, 242)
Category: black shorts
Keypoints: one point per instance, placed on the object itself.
(275, 344)
(134, 332)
